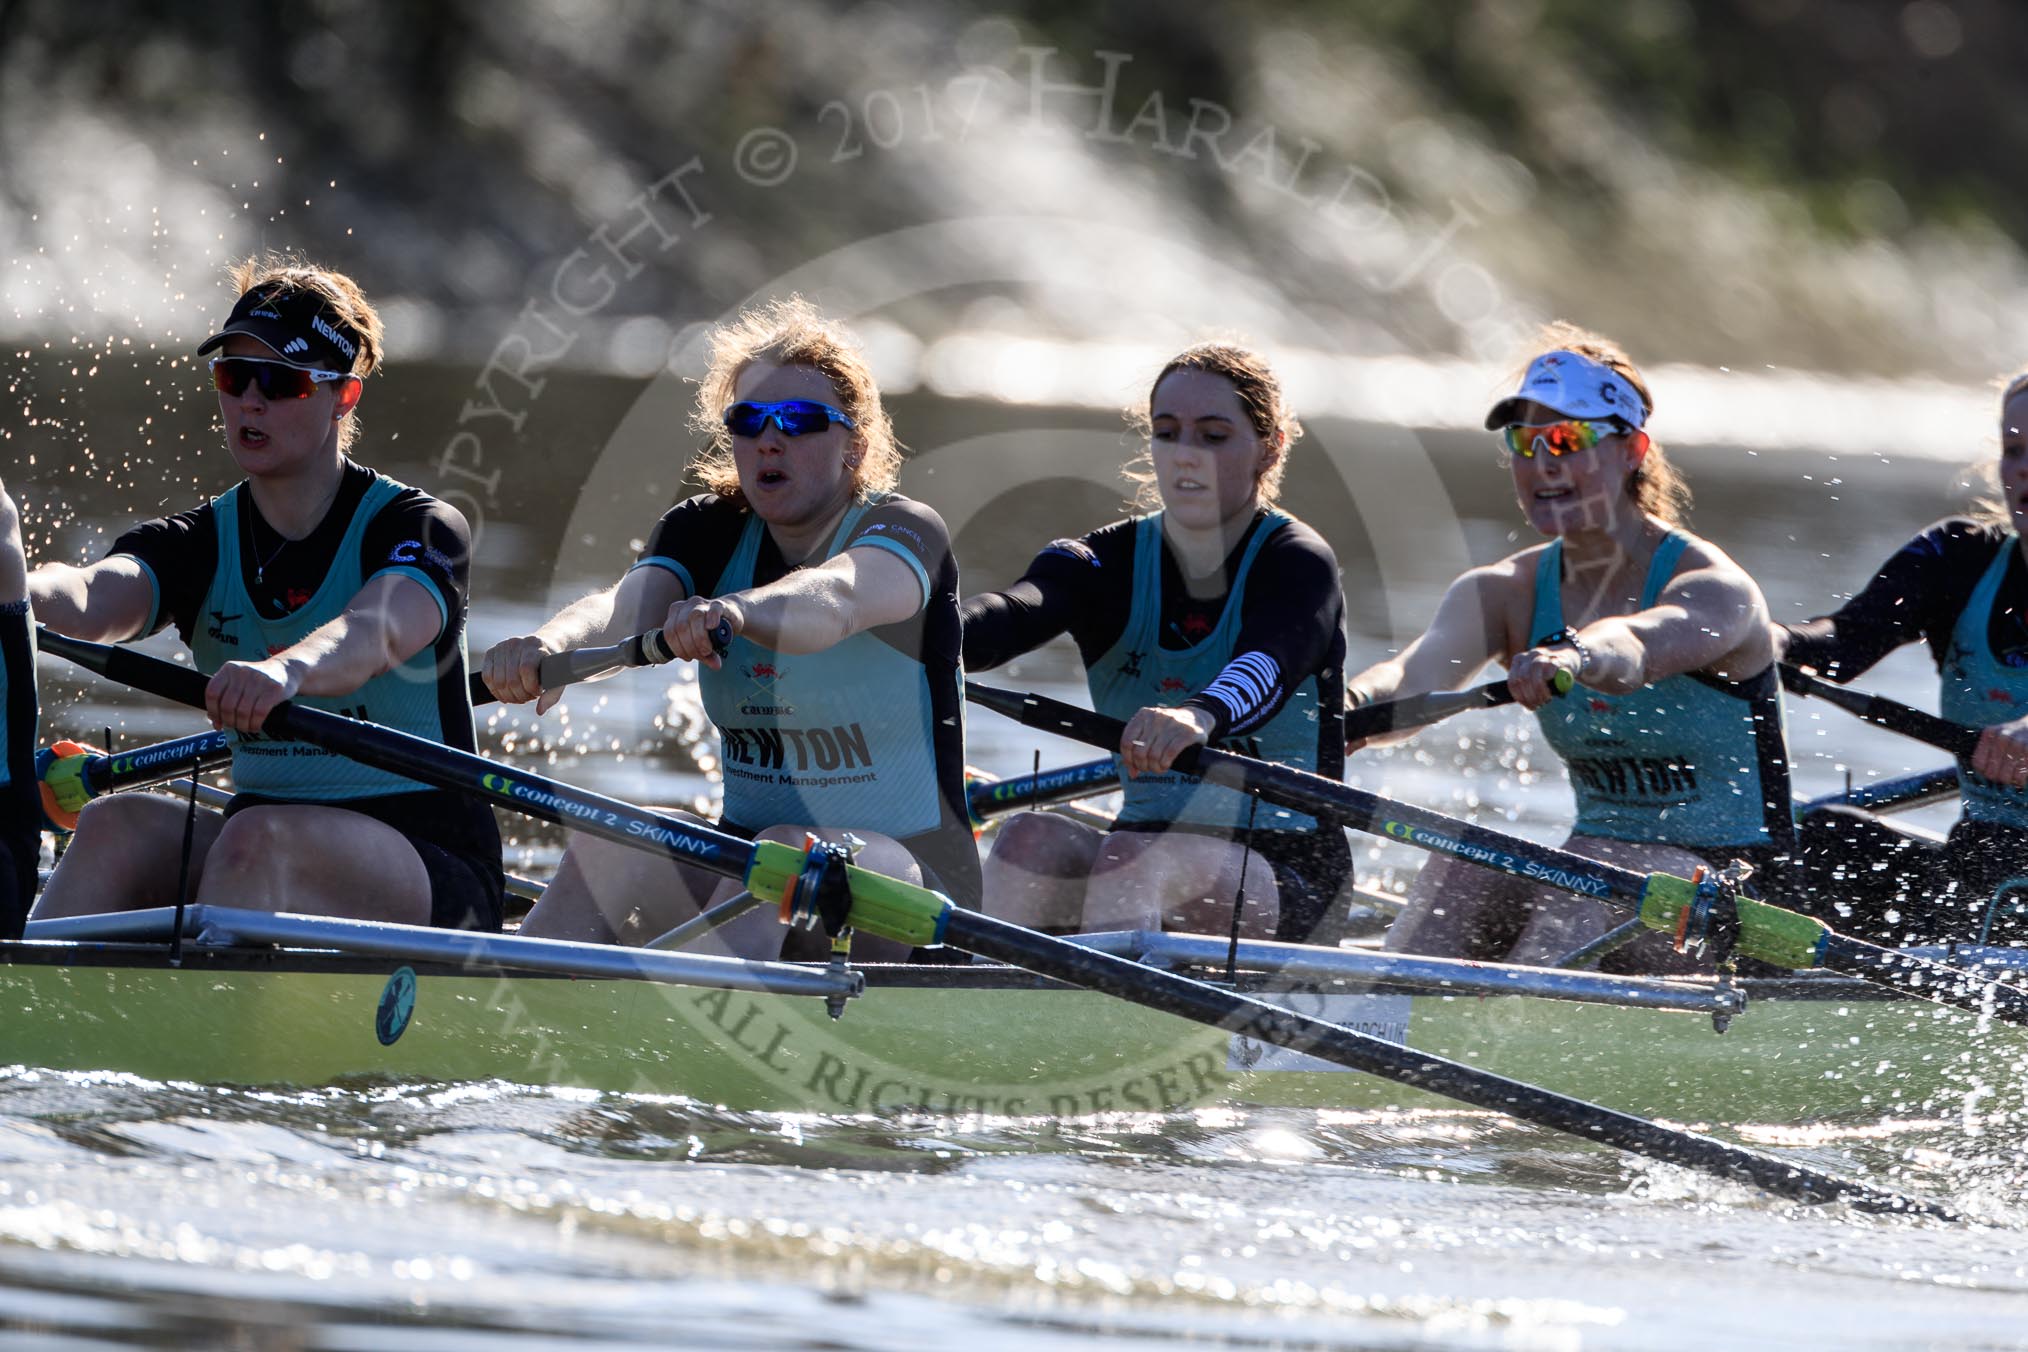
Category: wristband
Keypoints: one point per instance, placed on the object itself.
(1570, 641)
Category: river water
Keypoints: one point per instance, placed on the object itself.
(496, 1215)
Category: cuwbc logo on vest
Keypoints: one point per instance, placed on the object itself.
(764, 701)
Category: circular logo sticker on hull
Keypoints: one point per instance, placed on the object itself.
(397, 1006)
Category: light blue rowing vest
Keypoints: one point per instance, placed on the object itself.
(1677, 762)
(1978, 692)
(230, 629)
(1138, 671)
(841, 738)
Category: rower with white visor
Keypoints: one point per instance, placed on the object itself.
(1672, 735)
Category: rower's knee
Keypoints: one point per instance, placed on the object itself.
(1039, 844)
(111, 863)
(253, 844)
(120, 816)
(129, 838)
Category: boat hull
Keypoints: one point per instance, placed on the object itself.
(965, 1040)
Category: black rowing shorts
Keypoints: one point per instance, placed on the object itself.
(459, 850)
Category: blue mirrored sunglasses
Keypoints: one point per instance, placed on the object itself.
(796, 417)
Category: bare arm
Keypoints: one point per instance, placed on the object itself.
(1469, 630)
(106, 602)
(1709, 618)
(391, 619)
(807, 611)
(636, 602)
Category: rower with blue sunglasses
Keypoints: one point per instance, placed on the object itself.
(822, 608)
(314, 579)
(1672, 735)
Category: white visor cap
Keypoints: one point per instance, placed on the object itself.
(1575, 386)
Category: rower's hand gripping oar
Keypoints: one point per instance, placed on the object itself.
(1417, 711)
(573, 665)
(1706, 909)
(818, 883)
(1880, 711)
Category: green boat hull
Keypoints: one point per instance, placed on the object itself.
(965, 1040)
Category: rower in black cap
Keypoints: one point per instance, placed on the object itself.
(314, 579)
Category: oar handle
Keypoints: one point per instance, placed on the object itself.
(1093, 729)
(1417, 711)
(1880, 711)
(646, 649)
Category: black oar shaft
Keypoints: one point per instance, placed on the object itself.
(1771, 933)
(1374, 720)
(1418, 711)
(153, 764)
(1173, 994)
(996, 797)
(1890, 795)
(1341, 804)
(1880, 711)
(432, 763)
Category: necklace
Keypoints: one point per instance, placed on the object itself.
(261, 565)
(255, 523)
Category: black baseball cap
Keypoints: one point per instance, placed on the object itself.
(297, 323)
